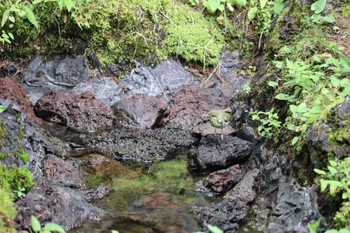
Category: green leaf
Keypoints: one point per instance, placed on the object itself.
(114, 231)
(2, 108)
(60, 4)
(332, 170)
(282, 96)
(272, 84)
(251, 13)
(214, 229)
(35, 224)
(37, 1)
(313, 226)
(344, 230)
(295, 140)
(335, 81)
(323, 184)
(318, 6)
(5, 17)
(212, 5)
(344, 82)
(53, 227)
(329, 19)
(240, 2)
(263, 3)
(320, 172)
(333, 163)
(278, 6)
(69, 4)
(30, 16)
(332, 231)
(345, 62)
(333, 186)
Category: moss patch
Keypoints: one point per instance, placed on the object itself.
(7, 212)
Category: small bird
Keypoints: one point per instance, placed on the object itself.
(219, 119)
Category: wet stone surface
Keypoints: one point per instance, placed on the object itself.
(82, 113)
(214, 154)
(140, 111)
(61, 205)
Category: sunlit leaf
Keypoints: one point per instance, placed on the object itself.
(251, 13)
(31, 17)
(35, 224)
(320, 172)
(53, 227)
(278, 6)
(263, 3)
(5, 17)
(318, 6)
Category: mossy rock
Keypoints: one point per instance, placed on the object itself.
(7, 212)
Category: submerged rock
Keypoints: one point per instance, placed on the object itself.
(214, 154)
(82, 113)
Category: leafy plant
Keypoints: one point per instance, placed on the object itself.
(47, 228)
(269, 122)
(312, 227)
(312, 88)
(19, 9)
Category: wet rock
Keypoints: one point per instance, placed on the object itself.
(223, 180)
(82, 113)
(206, 129)
(143, 146)
(11, 89)
(343, 112)
(295, 207)
(58, 73)
(215, 154)
(103, 89)
(190, 106)
(46, 202)
(63, 172)
(161, 81)
(229, 64)
(96, 194)
(140, 111)
(233, 208)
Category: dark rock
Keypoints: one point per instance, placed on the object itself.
(140, 111)
(343, 112)
(161, 81)
(229, 64)
(63, 172)
(223, 180)
(96, 194)
(142, 146)
(60, 205)
(214, 154)
(295, 207)
(233, 208)
(12, 90)
(190, 106)
(103, 89)
(81, 113)
(59, 73)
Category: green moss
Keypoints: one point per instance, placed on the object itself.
(21, 134)
(23, 155)
(2, 155)
(7, 212)
(192, 37)
(342, 217)
(345, 10)
(3, 132)
(15, 179)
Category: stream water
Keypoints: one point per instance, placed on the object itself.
(154, 198)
